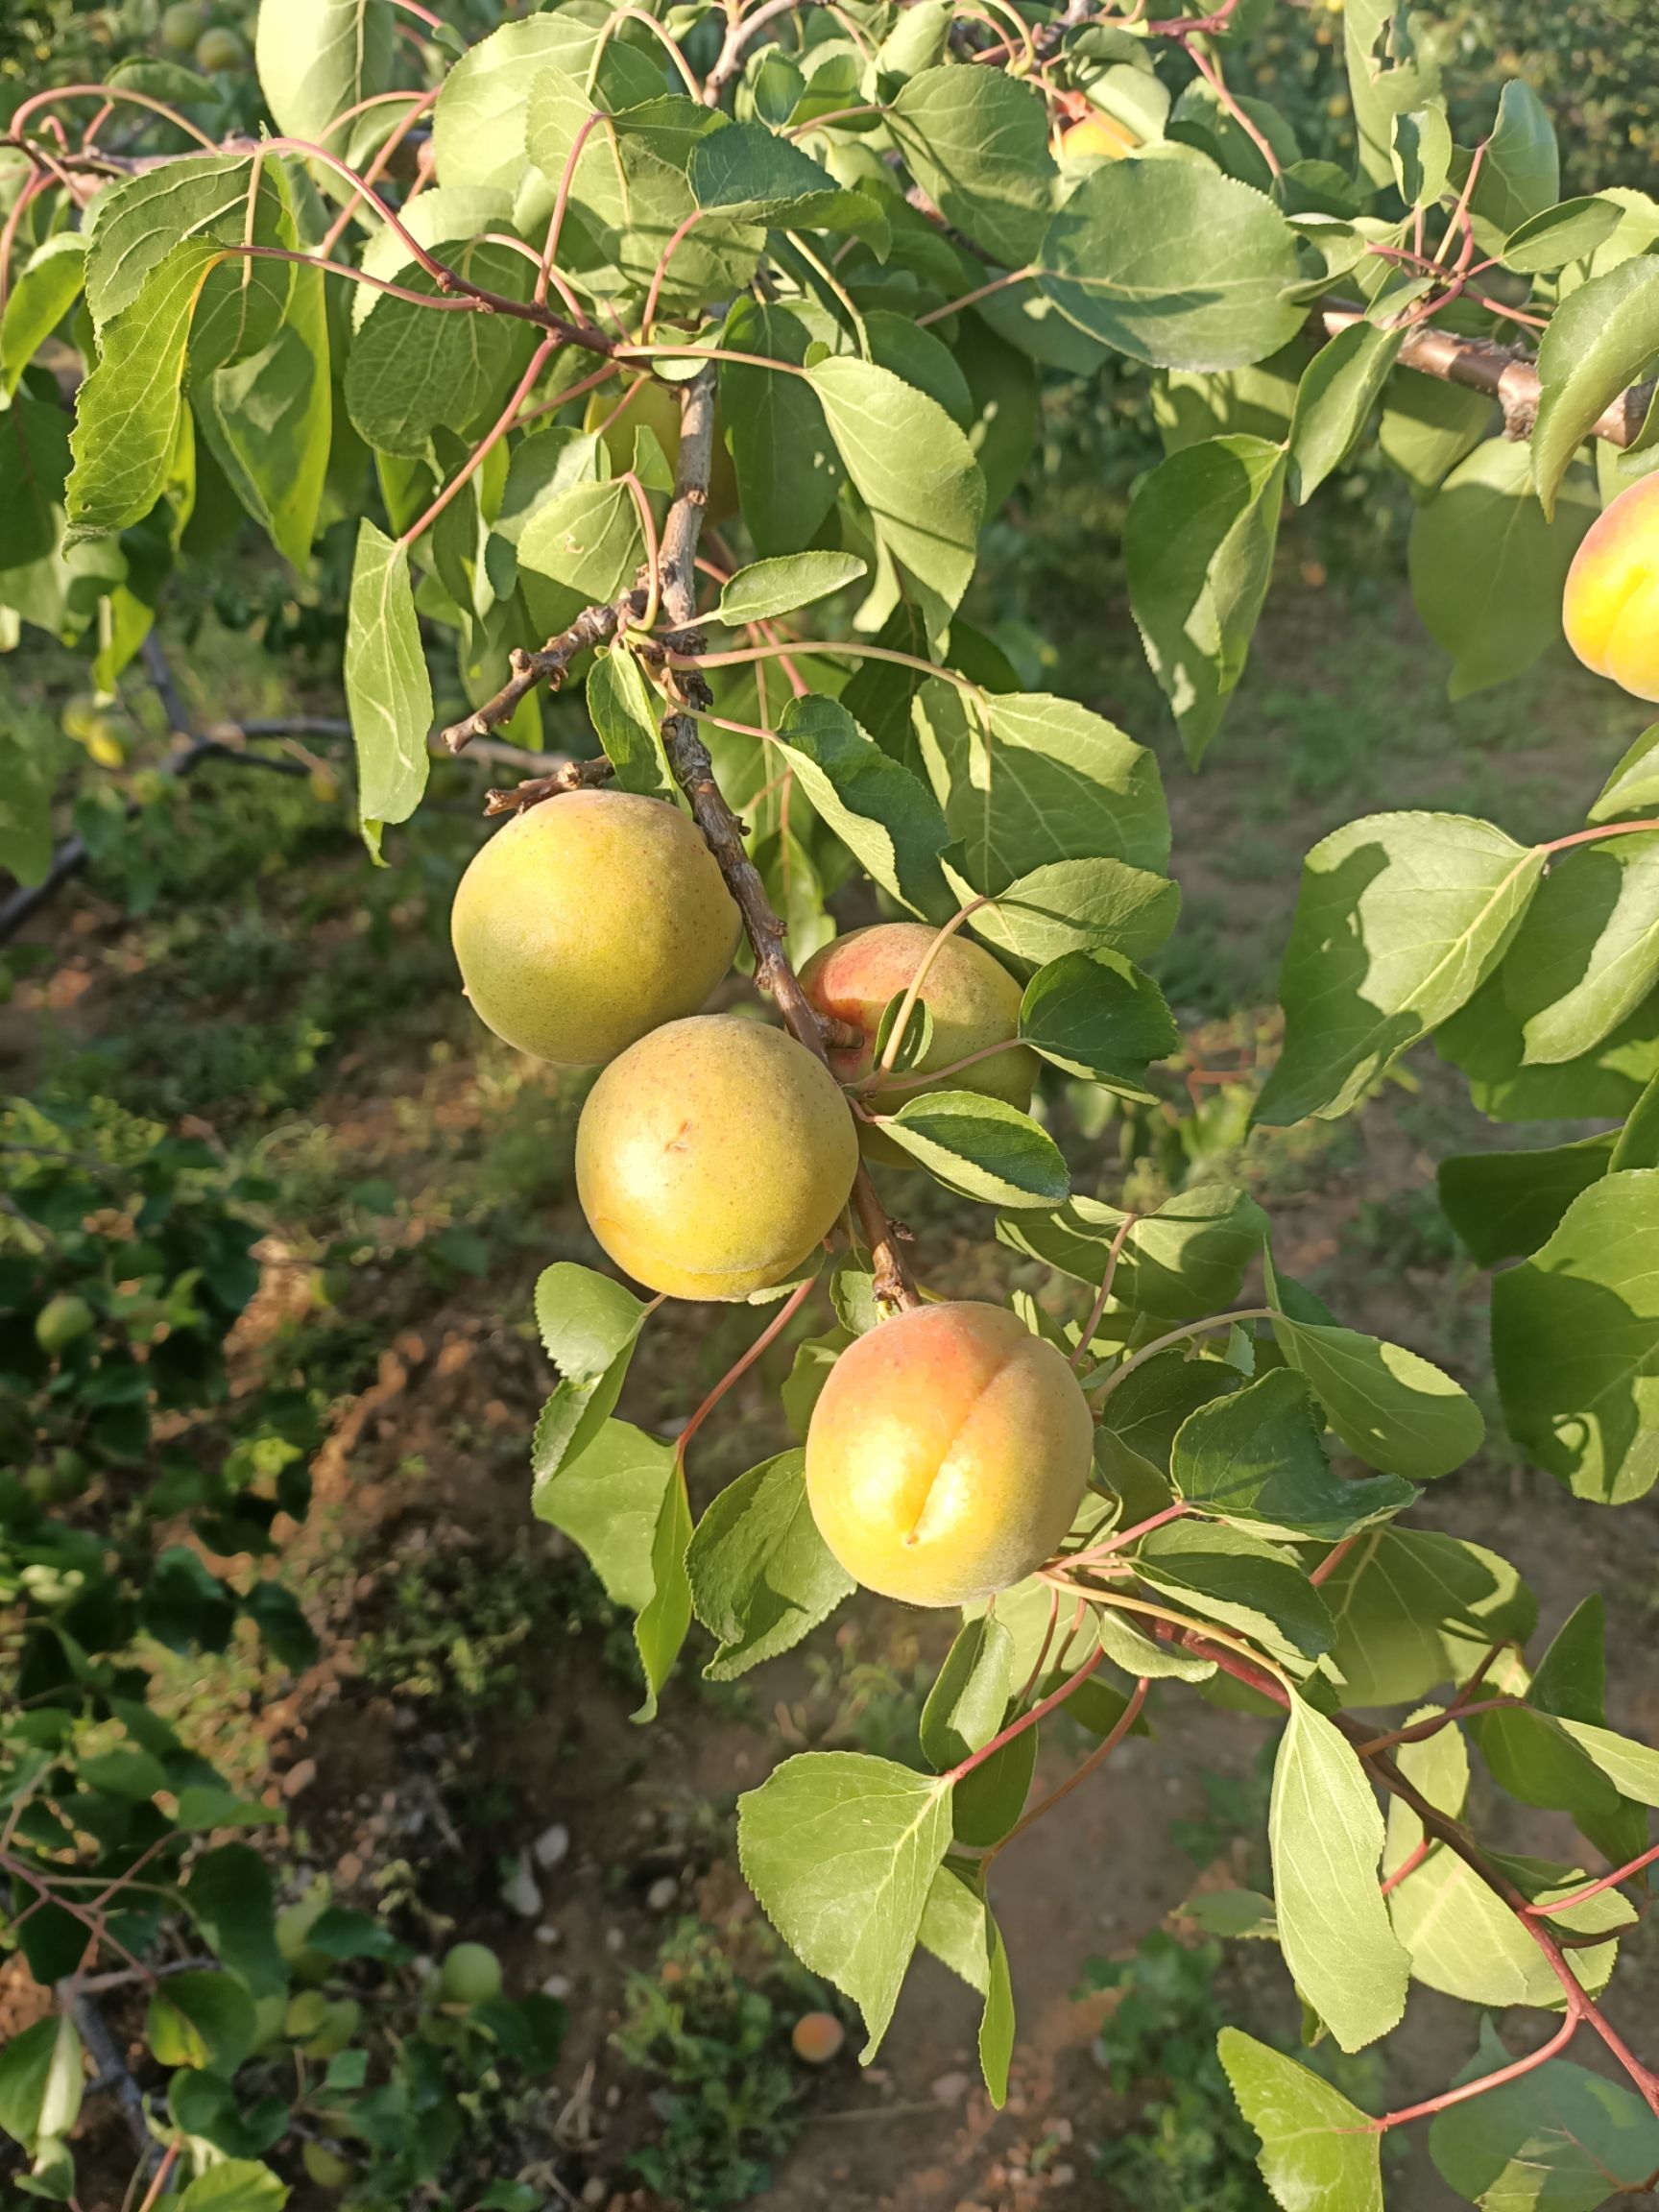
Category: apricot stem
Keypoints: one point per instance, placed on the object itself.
(1099, 1305)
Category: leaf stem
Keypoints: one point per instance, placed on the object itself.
(1179, 1336)
(1027, 1721)
(1098, 1757)
(1112, 1255)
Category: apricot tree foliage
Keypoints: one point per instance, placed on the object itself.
(686, 352)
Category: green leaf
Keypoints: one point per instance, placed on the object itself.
(203, 2020)
(589, 1324)
(1255, 1456)
(1602, 338)
(42, 2076)
(42, 293)
(1077, 906)
(1199, 545)
(127, 414)
(1427, 428)
(1027, 780)
(1173, 264)
(1232, 1575)
(886, 817)
(1422, 151)
(34, 464)
(1570, 231)
(750, 174)
(1135, 1653)
(624, 713)
(982, 1147)
(1004, 398)
(1412, 1608)
(1575, 1342)
(138, 224)
(387, 691)
(1392, 1408)
(1503, 1205)
(1400, 919)
(969, 1699)
(586, 538)
(959, 1929)
(1487, 567)
(779, 587)
(1339, 388)
(269, 422)
(1484, 1040)
(413, 370)
(1326, 1835)
(1521, 175)
(316, 58)
(761, 1574)
(624, 1503)
(479, 123)
(229, 1897)
(1319, 2154)
(915, 471)
(1185, 1259)
(976, 141)
(26, 783)
(1239, 1915)
(1589, 955)
(788, 469)
(841, 1850)
(1096, 1015)
(1558, 2139)
(1634, 784)
(234, 2185)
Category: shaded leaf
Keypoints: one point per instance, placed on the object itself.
(761, 1576)
(387, 691)
(1255, 1456)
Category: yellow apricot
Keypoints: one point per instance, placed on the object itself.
(647, 403)
(713, 1157)
(1097, 137)
(587, 921)
(817, 2037)
(946, 1454)
(972, 999)
(1610, 608)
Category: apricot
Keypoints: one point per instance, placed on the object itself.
(1098, 139)
(587, 921)
(972, 997)
(946, 1454)
(220, 50)
(648, 403)
(471, 1975)
(1610, 607)
(713, 1157)
(817, 2037)
(181, 25)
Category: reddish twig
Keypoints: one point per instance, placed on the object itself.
(1098, 1757)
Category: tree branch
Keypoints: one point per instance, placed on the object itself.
(694, 771)
(1501, 373)
(112, 2073)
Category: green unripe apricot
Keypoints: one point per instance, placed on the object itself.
(713, 1157)
(220, 49)
(647, 403)
(325, 2167)
(471, 1975)
(590, 919)
(320, 2024)
(182, 25)
(61, 1321)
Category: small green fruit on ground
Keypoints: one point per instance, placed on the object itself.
(471, 1975)
(947, 1454)
(61, 1321)
(971, 998)
(220, 49)
(713, 1157)
(590, 919)
(817, 2037)
(181, 25)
